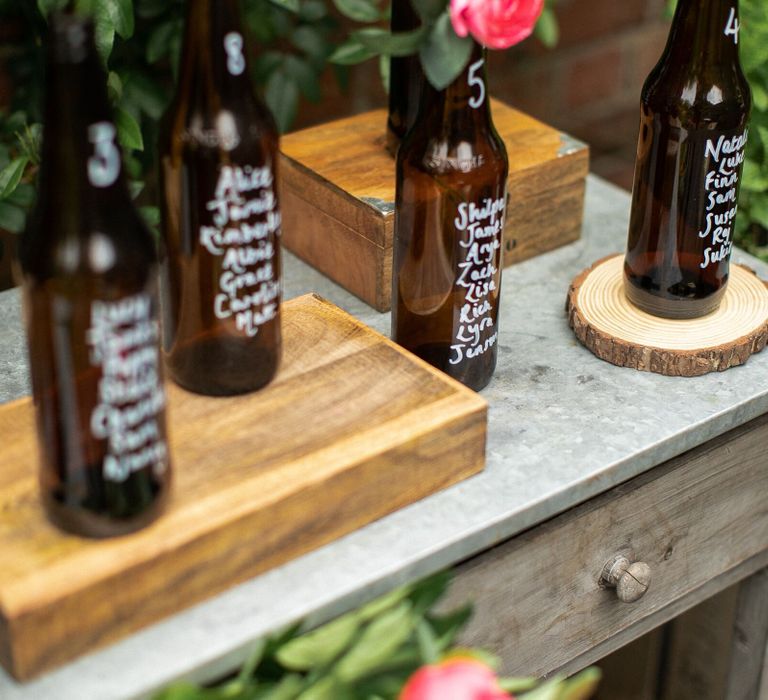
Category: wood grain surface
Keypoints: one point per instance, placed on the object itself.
(609, 325)
(352, 428)
(338, 194)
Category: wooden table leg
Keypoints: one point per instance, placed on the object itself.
(719, 649)
(747, 678)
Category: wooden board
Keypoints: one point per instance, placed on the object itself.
(605, 321)
(338, 194)
(352, 428)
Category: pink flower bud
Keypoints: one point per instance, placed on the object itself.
(454, 679)
(497, 24)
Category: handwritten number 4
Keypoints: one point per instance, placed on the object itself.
(733, 26)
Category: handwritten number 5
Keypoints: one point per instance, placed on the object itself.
(233, 45)
(476, 80)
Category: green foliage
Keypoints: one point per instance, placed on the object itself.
(443, 54)
(368, 654)
(752, 222)
(139, 42)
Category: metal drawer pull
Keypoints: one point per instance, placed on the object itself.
(631, 581)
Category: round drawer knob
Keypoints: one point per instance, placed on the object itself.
(631, 580)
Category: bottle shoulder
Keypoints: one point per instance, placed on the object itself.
(113, 247)
(699, 99)
(457, 154)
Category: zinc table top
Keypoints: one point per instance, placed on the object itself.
(564, 426)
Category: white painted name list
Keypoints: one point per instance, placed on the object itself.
(726, 157)
(123, 343)
(249, 286)
(480, 226)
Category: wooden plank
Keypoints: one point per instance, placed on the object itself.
(750, 640)
(338, 182)
(538, 599)
(632, 672)
(700, 641)
(352, 428)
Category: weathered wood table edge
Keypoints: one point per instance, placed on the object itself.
(524, 485)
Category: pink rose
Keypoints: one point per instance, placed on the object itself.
(454, 679)
(497, 24)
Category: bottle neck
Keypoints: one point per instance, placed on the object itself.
(405, 73)
(705, 32)
(462, 106)
(81, 160)
(214, 54)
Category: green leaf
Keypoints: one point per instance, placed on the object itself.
(114, 87)
(312, 42)
(12, 218)
(447, 627)
(48, 6)
(547, 29)
(319, 647)
(327, 688)
(128, 130)
(312, 11)
(359, 10)
(151, 216)
(429, 10)
(23, 196)
(582, 686)
(282, 97)
(382, 41)
(121, 15)
(180, 691)
(159, 40)
(383, 603)
(517, 685)
(548, 691)
(10, 176)
(287, 689)
(759, 96)
(428, 644)
(290, 5)
(380, 639)
(445, 55)
(350, 53)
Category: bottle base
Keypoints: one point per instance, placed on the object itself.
(84, 523)
(474, 375)
(673, 309)
(214, 368)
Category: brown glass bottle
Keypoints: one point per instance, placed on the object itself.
(89, 271)
(693, 127)
(449, 217)
(221, 218)
(405, 79)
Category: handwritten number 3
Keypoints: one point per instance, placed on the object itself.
(233, 45)
(477, 80)
(104, 164)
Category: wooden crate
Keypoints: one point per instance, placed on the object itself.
(338, 193)
(352, 428)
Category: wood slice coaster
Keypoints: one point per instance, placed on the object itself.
(605, 321)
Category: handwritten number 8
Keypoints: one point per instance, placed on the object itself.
(233, 45)
(477, 80)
